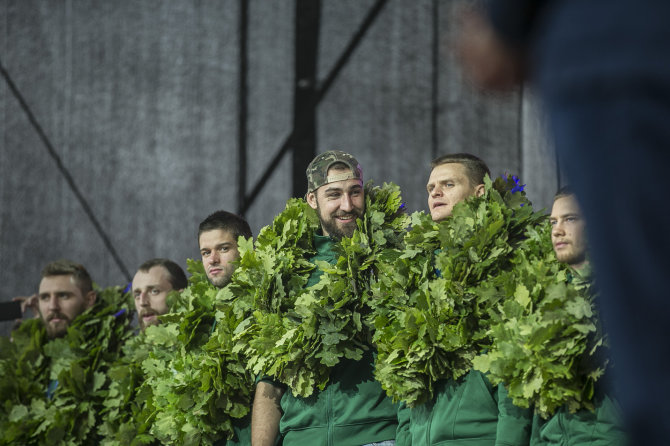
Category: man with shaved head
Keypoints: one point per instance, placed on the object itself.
(469, 410)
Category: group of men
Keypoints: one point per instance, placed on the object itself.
(353, 409)
(66, 289)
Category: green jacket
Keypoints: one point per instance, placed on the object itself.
(603, 427)
(242, 428)
(352, 409)
(469, 412)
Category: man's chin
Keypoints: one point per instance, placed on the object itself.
(570, 258)
(146, 323)
(338, 231)
(219, 281)
(349, 230)
(57, 330)
(439, 214)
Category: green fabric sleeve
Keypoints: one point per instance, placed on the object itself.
(402, 435)
(514, 423)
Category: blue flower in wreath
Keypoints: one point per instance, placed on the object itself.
(517, 187)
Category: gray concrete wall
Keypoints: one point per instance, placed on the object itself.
(140, 102)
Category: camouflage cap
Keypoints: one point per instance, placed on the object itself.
(317, 171)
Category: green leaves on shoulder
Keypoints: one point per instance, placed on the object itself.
(24, 373)
(127, 415)
(271, 276)
(272, 272)
(297, 334)
(195, 385)
(429, 319)
(547, 344)
(79, 361)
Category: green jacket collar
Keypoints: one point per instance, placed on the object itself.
(323, 243)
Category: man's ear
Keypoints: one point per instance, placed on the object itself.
(90, 298)
(311, 199)
(479, 190)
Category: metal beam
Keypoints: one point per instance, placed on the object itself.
(242, 107)
(320, 93)
(435, 61)
(307, 25)
(64, 171)
(356, 39)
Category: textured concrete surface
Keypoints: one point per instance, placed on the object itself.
(140, 103)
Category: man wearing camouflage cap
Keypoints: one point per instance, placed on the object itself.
(335, 190)
(352, 409)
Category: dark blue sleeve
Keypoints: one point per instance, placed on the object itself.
(514, 20)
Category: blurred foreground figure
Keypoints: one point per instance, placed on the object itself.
(603, 73)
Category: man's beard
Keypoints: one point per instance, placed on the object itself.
(140, 318)
(59, 331)
(571, 257)
(338, 232)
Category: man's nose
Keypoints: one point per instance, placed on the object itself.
(345, 203)
(54, 302)
(214, 258)
(144, 299)
(557, 229)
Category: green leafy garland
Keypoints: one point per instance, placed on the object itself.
(296, 334)
(548, 346)
(128, 413)
(198, 385)
(24, 372)
(428, 325)
(79, 361)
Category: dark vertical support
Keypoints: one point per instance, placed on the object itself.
(435, 79)
(319, 94)
(521, 128)
(307, 21)
(242, 109)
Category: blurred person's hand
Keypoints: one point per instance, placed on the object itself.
(487, 61)
(28, 302)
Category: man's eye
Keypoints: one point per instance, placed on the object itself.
(44, 297)
(552, 222)
(155, 291)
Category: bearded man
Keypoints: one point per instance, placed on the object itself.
(352, 409)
